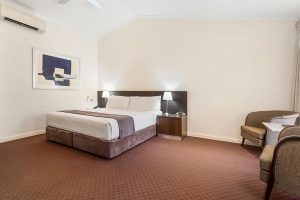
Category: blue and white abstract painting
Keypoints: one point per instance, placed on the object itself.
(51, 71)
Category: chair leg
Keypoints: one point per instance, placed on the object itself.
(269, 189)
(243, 141)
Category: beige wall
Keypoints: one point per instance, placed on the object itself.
(22, 109)
(229, 68)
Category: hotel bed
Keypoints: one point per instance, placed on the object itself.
(107, 132)
(98, 127)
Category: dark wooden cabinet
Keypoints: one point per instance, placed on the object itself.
(172, 125)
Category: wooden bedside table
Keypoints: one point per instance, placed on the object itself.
(172, 126)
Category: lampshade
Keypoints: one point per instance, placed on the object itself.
(168, 96)
(105, 94)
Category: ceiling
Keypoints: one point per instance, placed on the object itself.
(83, 17)
(217, 9)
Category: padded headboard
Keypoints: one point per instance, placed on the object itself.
(179, 103)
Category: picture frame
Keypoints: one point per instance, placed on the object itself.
(54, 71)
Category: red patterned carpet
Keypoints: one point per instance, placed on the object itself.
(201, 169)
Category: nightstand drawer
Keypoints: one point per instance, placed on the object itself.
(176, 127)
(163, 125)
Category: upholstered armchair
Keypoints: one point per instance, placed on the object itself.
(280, 164)
(254, 130)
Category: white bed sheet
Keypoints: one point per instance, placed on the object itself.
(102, 128)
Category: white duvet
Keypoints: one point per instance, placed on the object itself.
(102, 128)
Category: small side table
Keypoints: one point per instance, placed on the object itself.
(172, 126)
(273, 131)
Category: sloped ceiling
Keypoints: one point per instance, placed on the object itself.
(81, 15)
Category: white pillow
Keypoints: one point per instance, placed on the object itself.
(286, 119)
(145, 103)
(118, 102)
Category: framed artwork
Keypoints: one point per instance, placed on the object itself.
(54, 71)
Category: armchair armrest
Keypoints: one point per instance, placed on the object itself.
(266, 158)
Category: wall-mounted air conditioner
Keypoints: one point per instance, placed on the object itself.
(21, 19)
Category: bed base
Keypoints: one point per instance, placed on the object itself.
(106, 149)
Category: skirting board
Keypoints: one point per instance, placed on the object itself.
(170, 137)
(218, 138)
(20, 136)
(191, 134)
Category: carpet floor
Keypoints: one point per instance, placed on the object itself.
(34, 168)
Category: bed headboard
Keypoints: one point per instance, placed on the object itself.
(179, 103)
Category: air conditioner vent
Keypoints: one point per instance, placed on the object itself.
(20, 23)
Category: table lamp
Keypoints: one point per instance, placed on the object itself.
(167, 97)
(105, 94)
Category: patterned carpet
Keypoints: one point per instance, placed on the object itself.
(33, 168)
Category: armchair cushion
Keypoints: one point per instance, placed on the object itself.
(254, 132)
(266, 157)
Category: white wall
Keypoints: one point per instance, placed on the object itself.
(229, 68)
(22, 109)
